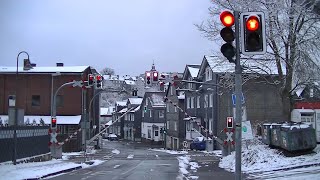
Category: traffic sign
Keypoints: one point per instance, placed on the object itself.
(233, 97)
(53, 138)
(185, 144)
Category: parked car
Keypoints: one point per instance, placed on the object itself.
(112, 137)
(198, 143)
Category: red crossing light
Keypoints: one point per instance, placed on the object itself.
(252, 23)
(53, 122)
(227, 18)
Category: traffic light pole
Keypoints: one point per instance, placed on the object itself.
(238, 92)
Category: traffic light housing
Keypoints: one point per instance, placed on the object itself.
(148, 77)
(53, 122)
(253, 35)
(228, 35)
(155, 76)
(145, 108)
(229, 122)
(99, 81)
(90, 79)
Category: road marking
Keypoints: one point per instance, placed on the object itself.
(132, 168)
(116, 166)
(87, 173)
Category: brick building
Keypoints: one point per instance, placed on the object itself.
(34, 95)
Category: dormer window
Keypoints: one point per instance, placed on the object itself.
(208, 73)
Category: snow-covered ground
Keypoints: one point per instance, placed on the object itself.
(40, 169)
(169, 151)
(184, 165)
(260, 161)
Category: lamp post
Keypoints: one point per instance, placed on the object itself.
(16, 112)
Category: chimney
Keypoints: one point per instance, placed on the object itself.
(59, 64)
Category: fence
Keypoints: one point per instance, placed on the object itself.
(31, 141)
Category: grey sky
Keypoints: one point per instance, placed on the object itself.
(126, 35)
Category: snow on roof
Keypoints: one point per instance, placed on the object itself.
(47, 119)
(220, 65)
(136, 101)
(121, 103)
(157, 100)
(103, 111)
(129, 82)
(53, 69)
(136, 109)
(193, 71)
(123, 110)
(109, 123)
(107, 111)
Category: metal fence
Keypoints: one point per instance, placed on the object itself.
(31, 141)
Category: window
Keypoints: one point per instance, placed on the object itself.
(211, 100)
(171, 90)
(143, 113)
(59, 100)
(188, 102)
(35, 100)
(210, 125)
(206, 100)
(149, 133)
(190, 84)
(168, 124)
(208, 74)
(150, 113)
(188, 125)
(161, 114)
(168, 108)
(146, 101)
(192, 102)
(198, 101)
(156, 133)
(311, 92)
(175, 126)
(175, 109)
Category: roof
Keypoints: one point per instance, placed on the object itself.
(220, 65)
(136, 109)
(193, 71)
(123, 110)
(53, 69)
(68, 120)
(157, 100)
(121, 103)
(129, 82)
(136, 101)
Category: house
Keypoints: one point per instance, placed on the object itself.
(307, 106)
(176, 128)
(132, 120)
(106, 115)
(210, 102)
(117, 118)
(153, 117)
(193, 106)
(35, 88)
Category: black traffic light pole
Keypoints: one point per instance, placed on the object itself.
(238, 92)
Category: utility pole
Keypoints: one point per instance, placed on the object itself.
(238, 92)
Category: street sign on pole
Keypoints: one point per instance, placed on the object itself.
(233, 97)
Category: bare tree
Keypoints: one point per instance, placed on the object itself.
(107, 71)
(293, 33)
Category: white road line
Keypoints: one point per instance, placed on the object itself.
(132, 168)
(116, 166)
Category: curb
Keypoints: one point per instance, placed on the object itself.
(56, 173)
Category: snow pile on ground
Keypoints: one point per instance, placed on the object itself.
(169, 151)
(217, 153)
(115, 151)
(184, 165)
(259, 157)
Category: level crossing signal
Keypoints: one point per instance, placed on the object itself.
(90, 79)
(253, 35)
(229, 122)
(99, 81)
(53, 122)
(148, 76)
(227, 34)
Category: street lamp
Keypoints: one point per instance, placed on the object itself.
(16, 110)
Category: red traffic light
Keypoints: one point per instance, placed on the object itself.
(229, 122)
(252, 23)
(155, 74)
(53, 122)
(227, 18)
(99, 78)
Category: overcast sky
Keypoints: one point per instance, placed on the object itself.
(126, 35)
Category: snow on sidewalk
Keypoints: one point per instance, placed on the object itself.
(39, 169)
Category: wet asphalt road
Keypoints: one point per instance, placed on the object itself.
(137, 162)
